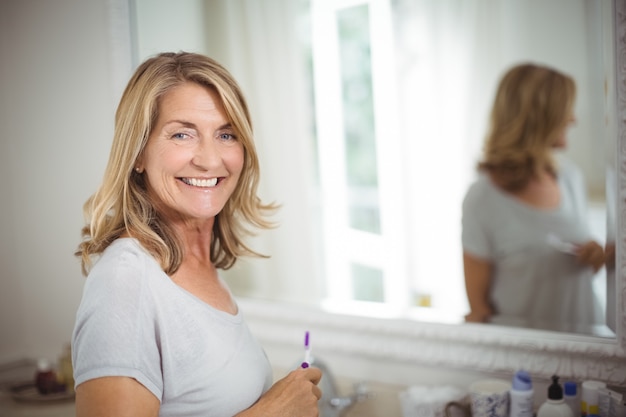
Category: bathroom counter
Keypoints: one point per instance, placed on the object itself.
(11, 408)
(20, 371)
(384, 402)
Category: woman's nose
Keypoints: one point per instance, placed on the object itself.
(206, 154)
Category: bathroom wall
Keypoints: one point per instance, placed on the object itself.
(56, 106)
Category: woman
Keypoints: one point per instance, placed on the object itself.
(158, 333)
(528, 255)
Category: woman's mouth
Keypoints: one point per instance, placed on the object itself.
(200, 182)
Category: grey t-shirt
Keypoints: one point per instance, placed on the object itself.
(134, 321)
(533, 282)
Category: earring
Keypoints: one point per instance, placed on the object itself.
(137, 170)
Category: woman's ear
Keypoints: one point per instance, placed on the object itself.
(139, 168)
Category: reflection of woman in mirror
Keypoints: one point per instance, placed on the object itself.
(529, 257)
(158, 332)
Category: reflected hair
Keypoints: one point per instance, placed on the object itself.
(121, 204)
(532, 108)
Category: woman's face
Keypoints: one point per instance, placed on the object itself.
(561, 140)
(193, 159)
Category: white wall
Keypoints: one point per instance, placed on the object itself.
(57, 101)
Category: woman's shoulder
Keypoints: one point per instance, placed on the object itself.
(123, 258)
(479, 188)
(121, 250)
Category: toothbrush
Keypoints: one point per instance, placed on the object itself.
(307, 351)
(560, 245)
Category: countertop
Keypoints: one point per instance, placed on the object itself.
(384, 401)
(11, 408)
(14, 373)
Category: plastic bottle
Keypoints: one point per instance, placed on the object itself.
(45, 378)
(589, 400)
(65, 374)
(521, 395)
(570, 395)
(555, 405)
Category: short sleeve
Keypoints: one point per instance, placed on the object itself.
(115, 332)
(474, 235)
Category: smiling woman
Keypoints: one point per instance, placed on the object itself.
(158, 331)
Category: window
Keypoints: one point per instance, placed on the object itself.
(358, 140)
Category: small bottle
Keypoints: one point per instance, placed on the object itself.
(555, 405)
(65, 374)
(45, 378)
(589, 400)
(570, 395)
(521, 395)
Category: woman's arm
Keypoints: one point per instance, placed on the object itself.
(115, 396)
(477, 285)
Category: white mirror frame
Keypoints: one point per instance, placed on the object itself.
(475, 347)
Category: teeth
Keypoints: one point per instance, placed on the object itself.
(200, 183)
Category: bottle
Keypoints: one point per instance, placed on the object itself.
(570, 395)
(521, 395)
(66, 373)
(45, 378)
(555, 405)
(589, 400)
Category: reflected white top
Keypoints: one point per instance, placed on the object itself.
(536, 282)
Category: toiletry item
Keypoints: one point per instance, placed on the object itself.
(555, 405)
(489, 398)
(561, 245)
(433, 401)
(521, 395)
(589, 397)
(618, 407)
(604, 402)
(307, 351)
(607, 401)
(570, 395)
(45, 378)
(65, 374)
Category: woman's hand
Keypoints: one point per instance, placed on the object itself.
(592, 254)
(479, 316)
(478, 287)
(296, 395)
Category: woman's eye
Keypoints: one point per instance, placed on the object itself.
(179, 136)
(227, 136)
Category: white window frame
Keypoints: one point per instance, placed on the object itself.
(344, 245)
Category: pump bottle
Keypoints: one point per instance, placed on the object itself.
(555, 405)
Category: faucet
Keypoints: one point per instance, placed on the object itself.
(332, 404)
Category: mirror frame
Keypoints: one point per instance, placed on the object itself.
(476, 347)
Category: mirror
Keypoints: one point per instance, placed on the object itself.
(415, 341)
(443, 55)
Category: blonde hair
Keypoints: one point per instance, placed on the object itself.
(121, 204)
(532, 107)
